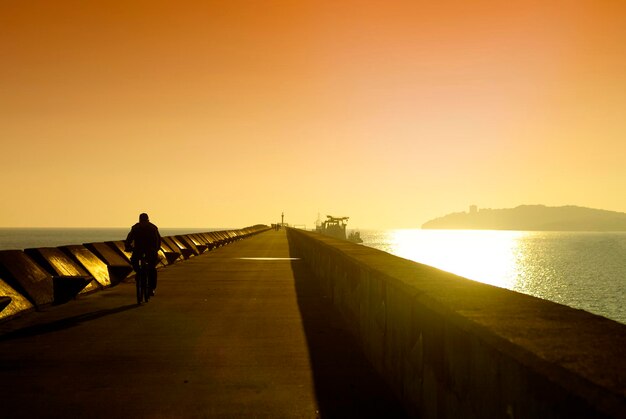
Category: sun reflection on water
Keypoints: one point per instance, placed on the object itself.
(485, 256)
(580, 269)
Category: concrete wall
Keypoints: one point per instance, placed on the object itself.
(455, 348)
(42, 276)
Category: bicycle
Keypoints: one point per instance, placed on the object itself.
(141, 280)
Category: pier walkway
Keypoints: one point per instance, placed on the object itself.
(241, 331)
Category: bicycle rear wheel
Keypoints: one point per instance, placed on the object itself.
(138, 284)
(146, 288)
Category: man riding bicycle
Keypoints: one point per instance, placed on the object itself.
(144, 240)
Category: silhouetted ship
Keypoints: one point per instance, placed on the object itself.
(336, 227)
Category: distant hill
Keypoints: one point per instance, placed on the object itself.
(532, 218)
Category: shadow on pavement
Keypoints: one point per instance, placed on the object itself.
(346, 384)
(66, 323)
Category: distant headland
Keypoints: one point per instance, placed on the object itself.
(532, 218)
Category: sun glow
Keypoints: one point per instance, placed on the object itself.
(490, 257)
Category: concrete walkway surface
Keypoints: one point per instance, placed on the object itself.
(242, 331)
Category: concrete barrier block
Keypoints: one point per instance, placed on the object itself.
(166, 242)
(212, 239)
(208, 240)
(223, 234)
(59, 264)
(174, 243)
(29, 279)
(55, 261)
(201, 238)
(12, 303)
(204, 240)
(226, 234)
(173, 257)
(188, 243)
(219, 237)
(119, 268)
(119, 247)
(193, 240)
(90, 262)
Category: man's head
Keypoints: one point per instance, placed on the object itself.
(143, 217)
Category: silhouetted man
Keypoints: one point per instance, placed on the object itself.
(144, 239)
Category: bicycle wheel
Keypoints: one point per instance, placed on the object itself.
(146, 288)
(138, 284)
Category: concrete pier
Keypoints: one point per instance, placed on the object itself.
(299, 325)
(241, 331)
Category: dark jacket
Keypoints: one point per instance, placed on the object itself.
(144, 237)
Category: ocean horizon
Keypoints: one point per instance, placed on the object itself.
(31, 237)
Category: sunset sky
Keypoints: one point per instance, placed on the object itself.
(226, 113)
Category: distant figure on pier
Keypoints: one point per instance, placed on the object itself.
(144, 239)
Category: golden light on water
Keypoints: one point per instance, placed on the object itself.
(584, 270)
(486, 256)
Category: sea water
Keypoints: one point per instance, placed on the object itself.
(585, 270)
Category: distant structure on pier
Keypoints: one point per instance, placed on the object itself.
(336, 227)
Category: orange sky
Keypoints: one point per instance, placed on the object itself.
(226, 113)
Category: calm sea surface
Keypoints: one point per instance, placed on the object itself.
(24, 238)
(585, 270)
(581, 270)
